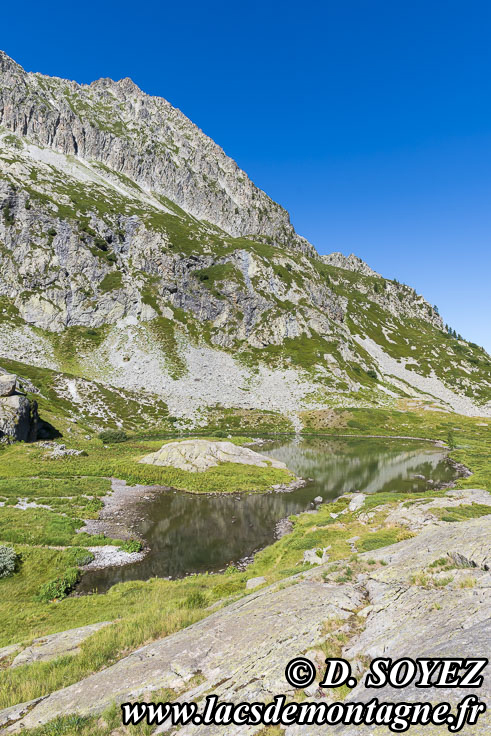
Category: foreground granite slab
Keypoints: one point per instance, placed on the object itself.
(241, 650)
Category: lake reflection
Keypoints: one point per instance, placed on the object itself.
(195, 533)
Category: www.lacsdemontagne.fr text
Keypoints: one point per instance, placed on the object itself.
(398, 717)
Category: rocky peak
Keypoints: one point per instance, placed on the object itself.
(146, 139)
(8, 64)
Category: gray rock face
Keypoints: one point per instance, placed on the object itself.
(357, 501)
(349, 263)
(131, 265)
(255, 582)
(317, 555)
(163, 180)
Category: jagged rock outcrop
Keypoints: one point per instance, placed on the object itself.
(18, 415)
(350, 263)
(8, 384)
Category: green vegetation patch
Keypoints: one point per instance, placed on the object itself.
(164, 332)
(60, 587)
(13, 140)
(36, 526)
(302, 351)
(382, 538)
(8, 311)
(53, 487)
(122, 461)
(112, 281)
(220, 421)
(76, 343)
(462, 513)
(214, 277)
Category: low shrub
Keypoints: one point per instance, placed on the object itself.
(7, 561)
(78, 556)
(7, 215)
(94, 505)
(113, 435)
(132, 545)
(196, 599)
(59, 587)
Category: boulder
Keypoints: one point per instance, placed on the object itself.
(59, 451)
(357, 502)
(8, 384)
(197, 456)
(316, 556)
(18, 418)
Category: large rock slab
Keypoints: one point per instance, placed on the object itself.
(57, 645)
(197, 456)
(241, 651)
(411, 618)
(416, 515)
(6, 652)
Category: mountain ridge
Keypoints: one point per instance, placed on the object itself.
(59, 113)
(104, 278)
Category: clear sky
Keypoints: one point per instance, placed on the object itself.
(369, 120)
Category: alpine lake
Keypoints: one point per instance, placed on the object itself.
(195, 533)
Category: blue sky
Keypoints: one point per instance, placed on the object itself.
(369, 121)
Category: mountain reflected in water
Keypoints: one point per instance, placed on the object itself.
(197, 533)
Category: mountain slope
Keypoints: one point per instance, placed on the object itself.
(135, 253)
(144, 138)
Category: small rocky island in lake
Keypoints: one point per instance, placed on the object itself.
(198, 455)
